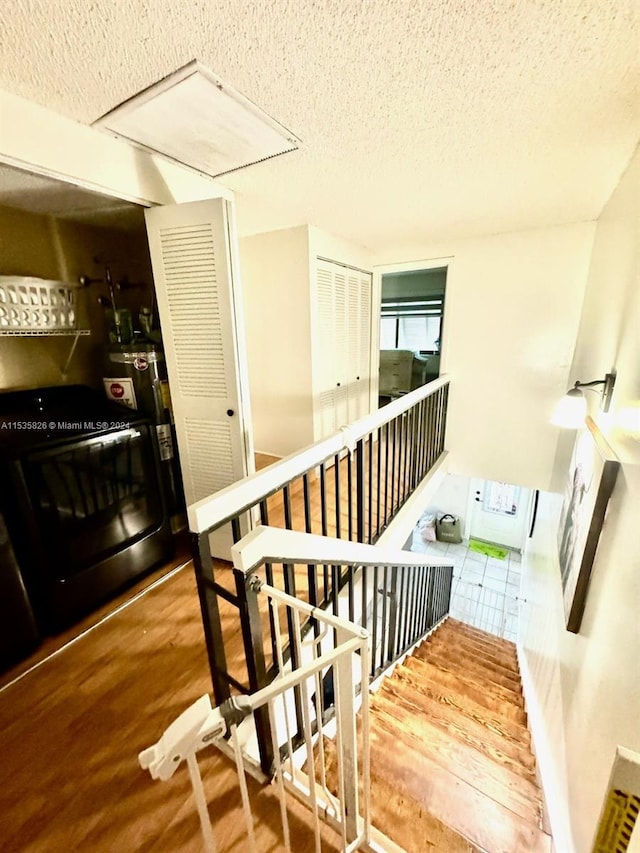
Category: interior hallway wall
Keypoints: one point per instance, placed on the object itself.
(275, 291)
(583, 690)
(453, 497)
(513, 308)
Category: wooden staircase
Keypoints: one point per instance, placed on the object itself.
(451, 764)
(452, 767)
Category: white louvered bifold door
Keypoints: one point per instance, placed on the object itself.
(340, 345)
(190, 255)
(342, 352)
(363, 375)
(324, 355)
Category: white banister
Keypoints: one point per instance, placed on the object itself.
(201, 725)
(275, 545)
(239, 496)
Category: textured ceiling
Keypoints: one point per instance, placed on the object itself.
(419, 120)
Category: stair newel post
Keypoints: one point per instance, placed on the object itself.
(347, 738)
(214, 639)
(247, 588)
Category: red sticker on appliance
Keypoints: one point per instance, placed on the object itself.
(140, 363)
(116, 390)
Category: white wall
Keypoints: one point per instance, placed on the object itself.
(275, 285)
(277, 272)
(512, 311)
(333, 248)
(583, 691)
(453, 497)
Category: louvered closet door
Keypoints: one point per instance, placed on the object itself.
(325, 381)
(340, 345)
(363, 375)
(359, 343)
(342, 349)
(189, 246)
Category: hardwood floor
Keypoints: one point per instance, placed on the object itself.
(71, 729)
(451, 759)
(75, 714)
(52, 645)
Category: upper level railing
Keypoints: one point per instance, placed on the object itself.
(376, 464)
(349, 486)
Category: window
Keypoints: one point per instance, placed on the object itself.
(419, 333)
(388, 333)
(411, 324)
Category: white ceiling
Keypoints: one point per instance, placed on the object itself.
(419, 120)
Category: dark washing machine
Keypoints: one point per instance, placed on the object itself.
(81, 498)
(136, 376)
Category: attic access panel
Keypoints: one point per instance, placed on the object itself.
(196, 119)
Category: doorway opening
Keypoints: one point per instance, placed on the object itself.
(411, 328)
(498, 513)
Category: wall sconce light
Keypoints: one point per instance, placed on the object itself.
(571, 410)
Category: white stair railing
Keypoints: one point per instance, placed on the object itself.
(304, 720)
(350, 486)
(334, 800)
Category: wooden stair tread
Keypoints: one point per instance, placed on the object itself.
(467, 762)
(453, 689)
(455, 802)
(394, 814)
(449, 636)
(464, 718)
(460, 655)
(472, 688)
(502, 657)
(479, 636)
(470, 670)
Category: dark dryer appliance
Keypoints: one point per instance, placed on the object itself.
(81, 498)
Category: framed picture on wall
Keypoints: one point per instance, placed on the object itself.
(592, 476)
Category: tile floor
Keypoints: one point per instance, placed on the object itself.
(486, 591)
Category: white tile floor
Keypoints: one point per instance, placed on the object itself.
(486, 591)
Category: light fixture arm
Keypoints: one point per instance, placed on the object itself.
(589, 384)
(608, 382)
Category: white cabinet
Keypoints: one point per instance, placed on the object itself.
(308, 323)
(342, 345)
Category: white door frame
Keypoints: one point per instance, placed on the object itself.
(525, 508)
(376, 308)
